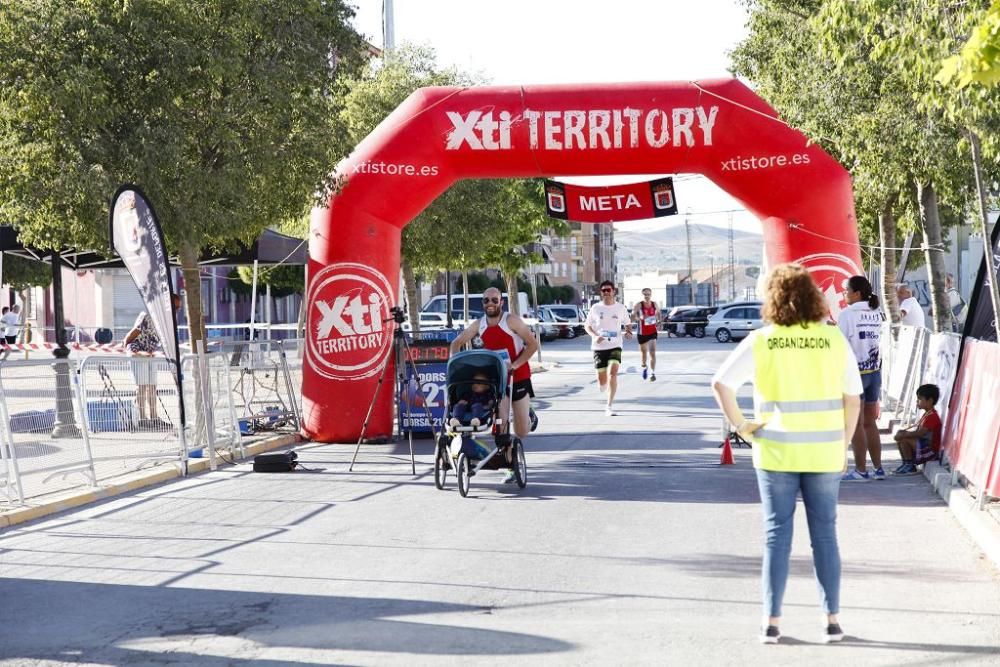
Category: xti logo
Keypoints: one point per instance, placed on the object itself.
(479, 131)
(348, 308)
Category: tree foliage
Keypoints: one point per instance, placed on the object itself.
(22, 274)
(225, 113)
(858, 77)
(978, 61)
(284, 279)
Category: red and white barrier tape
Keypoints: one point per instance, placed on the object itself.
(82, 347)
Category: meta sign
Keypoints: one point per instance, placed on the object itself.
(613, 203)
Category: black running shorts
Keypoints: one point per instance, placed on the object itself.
(645, 339)
(522, 389)
(604, 358)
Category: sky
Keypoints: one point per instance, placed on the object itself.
(582, 41)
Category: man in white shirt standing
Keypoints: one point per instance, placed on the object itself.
(909, 308)
(604, 324)
(11, 321)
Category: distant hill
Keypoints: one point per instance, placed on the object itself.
(666, 249)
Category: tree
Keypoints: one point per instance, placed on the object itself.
(846, 72)
(907, 42)
(978, 61)
(22, 274)
(225, 113)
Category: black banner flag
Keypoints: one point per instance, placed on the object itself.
(137, 238)
(981, 321)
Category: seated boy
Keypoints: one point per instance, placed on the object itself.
(476, 405)
(921, 443)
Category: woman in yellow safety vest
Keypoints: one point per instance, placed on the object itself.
(806, 404)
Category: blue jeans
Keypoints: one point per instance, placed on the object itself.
(778, 491)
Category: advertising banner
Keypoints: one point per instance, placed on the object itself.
(136, 236)
(427, 391)
(612, 203)
(981, 321)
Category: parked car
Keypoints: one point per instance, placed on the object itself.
(735, 321)
(430, 320)
(569, 318)
(436, 304)
(670, 317)
(691, 321)
(547, 328)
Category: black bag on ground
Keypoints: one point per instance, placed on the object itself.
(281, 462)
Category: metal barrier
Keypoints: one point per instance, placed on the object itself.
(903, 353)
(263, 394)
(42, 437)
(294, 350)
(72, 422)
(223, 423)
(941, 366)
(131, 411)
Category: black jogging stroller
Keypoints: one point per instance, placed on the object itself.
(477, 440)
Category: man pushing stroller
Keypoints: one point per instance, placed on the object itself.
(501, 331)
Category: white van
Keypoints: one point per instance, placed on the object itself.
(436, 304)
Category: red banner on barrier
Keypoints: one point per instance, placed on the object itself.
(972, 436)
(611, 203)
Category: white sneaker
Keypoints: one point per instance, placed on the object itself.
(602, 387)
(609, 412)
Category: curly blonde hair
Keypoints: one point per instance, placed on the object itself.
(791, 297)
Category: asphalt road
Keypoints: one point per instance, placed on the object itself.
(630, 545)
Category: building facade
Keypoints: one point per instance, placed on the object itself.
(584, 259)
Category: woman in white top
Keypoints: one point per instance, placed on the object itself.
(861, 324)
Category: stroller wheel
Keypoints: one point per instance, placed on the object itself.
(520, 465)
(463, 475)
(441, 465)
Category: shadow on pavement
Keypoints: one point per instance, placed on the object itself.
(99, 623)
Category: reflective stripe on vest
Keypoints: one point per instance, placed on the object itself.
(799, 389)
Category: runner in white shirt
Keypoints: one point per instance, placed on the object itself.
(861, 324)
(909, 308)
(604, 324)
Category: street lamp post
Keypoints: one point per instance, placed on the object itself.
(65, 422)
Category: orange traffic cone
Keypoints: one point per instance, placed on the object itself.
(727, 453)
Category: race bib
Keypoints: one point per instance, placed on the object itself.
(650, 321)
(609, 334)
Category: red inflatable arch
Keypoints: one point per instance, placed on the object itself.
(717, 128)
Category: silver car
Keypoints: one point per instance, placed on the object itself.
(734, 321)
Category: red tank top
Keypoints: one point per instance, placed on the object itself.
(644, 311)
(501, 337)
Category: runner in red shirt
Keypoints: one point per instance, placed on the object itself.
(648, 316)
(498, 330)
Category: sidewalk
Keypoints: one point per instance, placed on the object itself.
(52, 503)
(983, 525)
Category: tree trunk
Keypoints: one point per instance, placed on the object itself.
(196, 332)
(23, 334)
(300, 326)
(510, 277)
(465, 299)
(192, 286)
(933, 251)
(887, 235)
(412, 295)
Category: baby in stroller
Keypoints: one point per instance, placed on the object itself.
(476, 404)
(477, 422)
